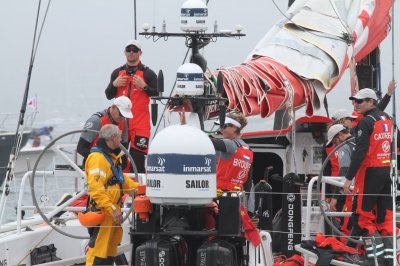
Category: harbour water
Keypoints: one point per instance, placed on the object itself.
(48, 188)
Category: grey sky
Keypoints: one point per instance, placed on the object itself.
(83, 41)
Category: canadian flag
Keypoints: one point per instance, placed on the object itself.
(32, 103)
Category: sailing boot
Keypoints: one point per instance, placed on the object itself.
(388, 254)
(374, 250)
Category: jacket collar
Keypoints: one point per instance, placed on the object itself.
(101, 143)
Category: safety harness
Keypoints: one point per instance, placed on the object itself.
(117, 178)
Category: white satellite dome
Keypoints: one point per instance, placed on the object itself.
(189, 80)
(194, 14)
(181, 167)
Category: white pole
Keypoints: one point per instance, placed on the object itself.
(393, 166)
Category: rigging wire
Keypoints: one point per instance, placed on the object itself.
(41, 28)
(345, 26)
(347, 37)
(19, 133)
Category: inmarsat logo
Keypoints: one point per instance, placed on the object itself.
(159, 167)
(199, 169)
(291, 197)
(160, 161)
(386, 146)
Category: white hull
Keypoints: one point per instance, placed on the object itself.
(15, 248)
(27, 158)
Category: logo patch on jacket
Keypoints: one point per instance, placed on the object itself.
(89, 125)
(385, 127)
(141, 142)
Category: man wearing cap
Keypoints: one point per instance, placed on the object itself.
(115, 114)
(137, 82)
(338, 134)
(383, 103)
(370, 165)
(344, 117)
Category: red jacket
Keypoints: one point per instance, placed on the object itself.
(234, 172)
(140, 101)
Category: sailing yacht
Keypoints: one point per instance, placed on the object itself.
(294, 66)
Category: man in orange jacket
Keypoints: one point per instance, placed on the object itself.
(138, 82)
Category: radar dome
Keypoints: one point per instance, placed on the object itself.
(181, 167)
(194, 15)
(189, 80)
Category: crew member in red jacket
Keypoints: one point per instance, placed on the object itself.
(370, 165)
(115, 114)
(138, 82)
(235, 157)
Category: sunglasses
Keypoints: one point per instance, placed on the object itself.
(359, 101)
(132, 49)
(226, 125)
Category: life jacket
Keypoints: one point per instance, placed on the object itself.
(140, 101)
(334, 160)
(234, 172)
(380, 142)
(118, 176)
(105, 120)
(138, 96)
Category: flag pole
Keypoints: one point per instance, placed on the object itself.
(393, 155)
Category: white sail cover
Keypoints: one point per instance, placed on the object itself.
(304, 55)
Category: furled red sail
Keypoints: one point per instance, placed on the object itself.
(303, 56)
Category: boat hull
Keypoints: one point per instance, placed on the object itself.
(6, 144)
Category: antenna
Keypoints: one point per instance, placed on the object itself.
(193, 24)
(134, 17)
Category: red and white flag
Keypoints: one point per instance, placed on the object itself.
(32, 103)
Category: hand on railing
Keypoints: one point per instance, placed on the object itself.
(332, 204)
(346, 187)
